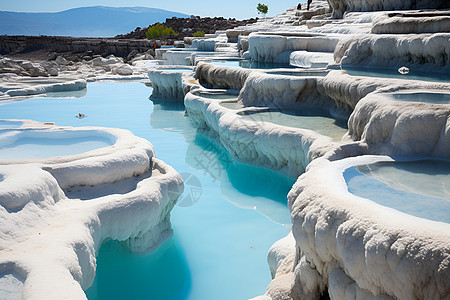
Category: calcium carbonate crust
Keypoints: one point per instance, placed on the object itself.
(129, 155)
(358, 249)
(48, 240)
(284, 149)
(167, 83)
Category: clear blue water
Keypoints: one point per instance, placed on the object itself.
(178, 70)
(10, 124)
(220, 243)
(435, 98)
(393, 73)
(311, 119)
(249, 64)
(43, 147)
(419, 188)
(217, 96)
(232, 105)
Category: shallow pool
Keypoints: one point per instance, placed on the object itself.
(427, 97)
(216, 96)
(221, 238)
(419, 188)
(307, 119)
(391, 73)
(43, 147)
(249, 64)
(234, 105)
(6, 124)
(176, 70)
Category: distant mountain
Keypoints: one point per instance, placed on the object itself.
(95, 21)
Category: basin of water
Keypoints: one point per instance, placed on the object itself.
(420, 188)
(301, 73)
(227, 230)
(391, 73)
(5, 124)
(427, 97)
(249, 64)
(177, 70)
(38, 144)
(311, 119)
(216, 96)
(235, 105)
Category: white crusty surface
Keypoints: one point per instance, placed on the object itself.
(48, 239)
(356, 244)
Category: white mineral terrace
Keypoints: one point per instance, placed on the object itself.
(347, 242)
(49, 238)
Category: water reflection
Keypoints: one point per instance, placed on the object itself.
(418, 188)
(160, 275)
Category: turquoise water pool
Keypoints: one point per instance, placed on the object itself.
(250, 64)
(43, 147)
(4, 124)
(220, 242)
(426, 97)
(393, 73)
(177, 70)
(217, 96)
(419, 188)
(315, 120)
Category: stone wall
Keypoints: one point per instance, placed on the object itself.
(60, 44)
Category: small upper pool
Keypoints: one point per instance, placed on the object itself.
(6, 124)
(315, 120)
(216, 95)
(420, 188)
(39, 145)
(300, 73)
(426, 97)
(392, 73)
(249, 64)
(177, 70)
(235, 105)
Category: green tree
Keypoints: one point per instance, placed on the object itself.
(199, 34)
(158, 30)
(262, 9)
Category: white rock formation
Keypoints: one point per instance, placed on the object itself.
(423, 51)
(398, 127)
(16, 83)
(221, 77)
(341, 6)
(412, 22)
(16, 87)
(48, 239)
(284, 149)
(167, 81)
(359, 249)
(271, 47)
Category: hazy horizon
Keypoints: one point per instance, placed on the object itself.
(201, 8)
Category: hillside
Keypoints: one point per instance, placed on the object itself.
(95, 21)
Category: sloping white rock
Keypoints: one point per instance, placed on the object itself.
(128, 156)
(284, 149)
(359, 248)
(341, 6)
(421, 51)
(400, 127)
(167, 81)
(48, 240)
(221, 77)
(413, 22)
(269, 47)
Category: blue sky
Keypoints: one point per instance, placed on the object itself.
(239, 9)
